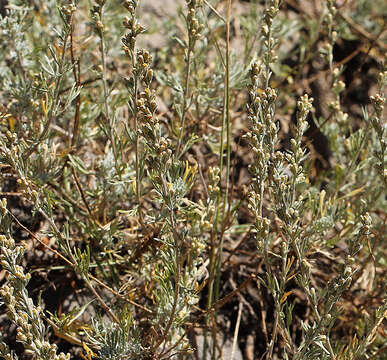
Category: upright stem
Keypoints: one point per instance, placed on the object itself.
(226, 127)
(105, 95)
(185, 99)
(137, 148)
(226, 111)
(177, 245)
(77, 78)
(227, 124)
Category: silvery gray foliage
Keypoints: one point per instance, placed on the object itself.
(125, 156)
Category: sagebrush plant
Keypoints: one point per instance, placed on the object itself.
(148, 193)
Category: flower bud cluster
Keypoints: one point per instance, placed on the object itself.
(131, 6)
(337, 286)
(159, 146)
(96, 17)
(195, 28)
(198, 245)
(67, 12)
(304, 106)
(338, 86)
(366, 221)
(214, 179)
(294, 159)
(27, 317)
(133, 29)
(378, 101)
(28, 189)
(207, 216)
(143, 106)
(262, 136)
(332, 10)
(266, 31)
(330, 15)
(5, 351)
(149, 127)
(3, 205)
(12, 148)
(143, 67)
(262, 224)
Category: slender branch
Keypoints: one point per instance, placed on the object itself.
(137, 149)
(106, 95)
(178, 266)
(185, 96)
(77, 78)
(72, 263)
(215, 11)
(227, 122)
(236, 331)
(50, 116)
